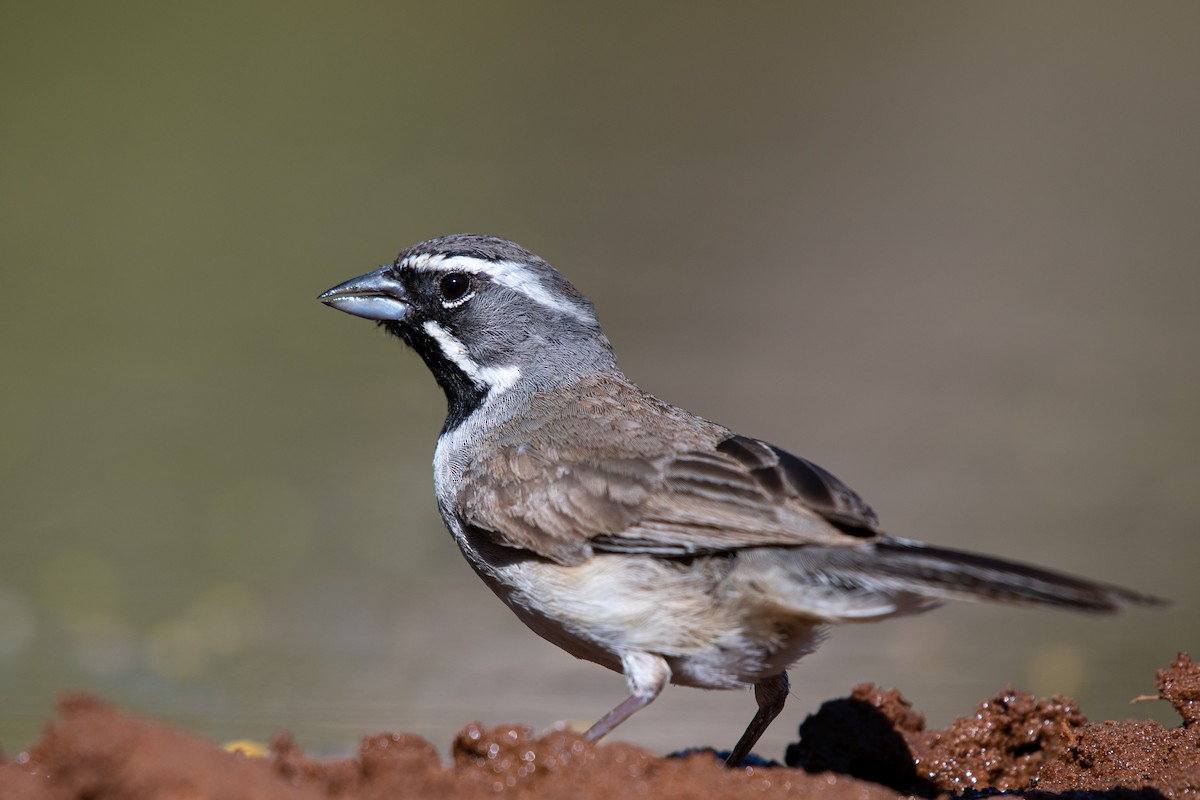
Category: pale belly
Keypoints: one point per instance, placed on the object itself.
(694, 613)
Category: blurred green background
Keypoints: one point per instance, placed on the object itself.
(947, 250)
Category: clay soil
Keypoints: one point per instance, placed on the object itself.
(865, 746)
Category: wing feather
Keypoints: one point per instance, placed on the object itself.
(724, 493)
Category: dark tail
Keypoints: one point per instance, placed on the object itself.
(938, 573)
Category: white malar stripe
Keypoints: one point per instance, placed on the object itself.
(512, 274)
(497, 380)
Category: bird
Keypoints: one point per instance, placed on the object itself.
(628, 531)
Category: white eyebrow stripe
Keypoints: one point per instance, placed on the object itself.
(511, 274)
(497, 380)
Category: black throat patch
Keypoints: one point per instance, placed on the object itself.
(463, 395)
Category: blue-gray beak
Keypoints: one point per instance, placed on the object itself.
(372, 296)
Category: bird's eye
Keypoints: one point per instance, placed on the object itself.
(455, 286)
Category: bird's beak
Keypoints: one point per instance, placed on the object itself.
(373, 296)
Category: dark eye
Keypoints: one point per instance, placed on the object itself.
(454, 286)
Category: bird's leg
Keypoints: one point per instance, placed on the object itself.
(771, 693)
(646, 675)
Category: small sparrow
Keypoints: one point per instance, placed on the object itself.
(628, 531)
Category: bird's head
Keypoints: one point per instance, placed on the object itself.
(487, 316)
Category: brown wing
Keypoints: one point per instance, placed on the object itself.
(791, 476)
(617, 469)
(554, 508)
(743, 493)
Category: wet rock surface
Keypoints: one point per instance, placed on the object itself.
(869, 745)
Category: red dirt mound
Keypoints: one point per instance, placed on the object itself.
(869, 745)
